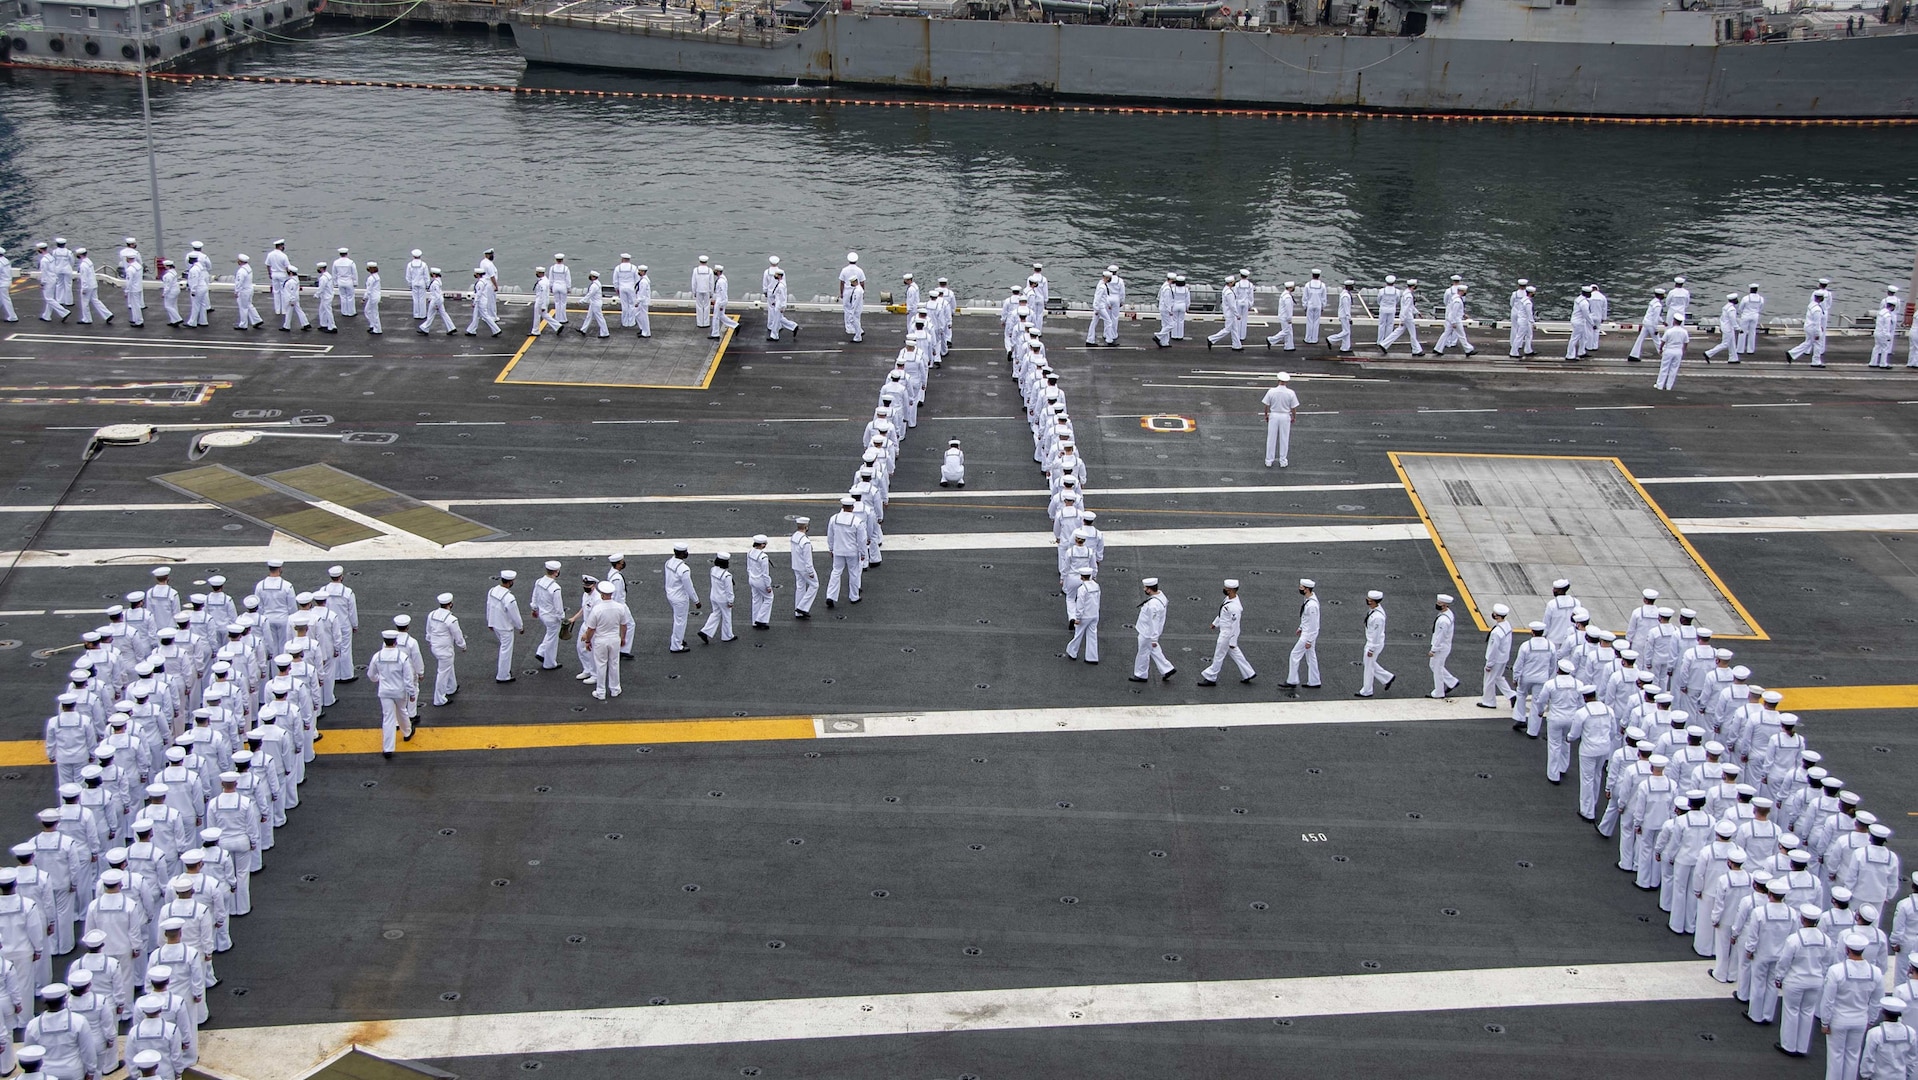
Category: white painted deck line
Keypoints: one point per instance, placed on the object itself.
(1337, 708)
(400, 547)
(281, 1053)
(1803, 523)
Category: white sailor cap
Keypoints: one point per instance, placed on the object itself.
(605, 588)
(641, 268)
(845, 500)
(802, 521)
(1150, 583)
(1854, 942)
(444, 599)
(417, 253)
(1650, 595)
(1679, 280)
(1660, 760)
(1348, 283)
(853, 257)
(759, 540)
(1562, 583)
(1284, 376)
(1567, 666)
(508, 575)
(552, 564)
(620, 557)
(1307, 583)
(1231, 583)
(1458, 277)
(1666, 613)
(1444, 598)
(334, 571)
(1773, 697)
(1391, 279)
(1374, 594)
(1687, 613)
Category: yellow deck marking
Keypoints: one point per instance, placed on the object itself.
(705, 381)
(24, 752)
(1465, 594)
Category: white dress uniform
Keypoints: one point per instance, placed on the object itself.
(702, 287)
(485, 305)
(1231, 306)
(346, 278)
(1280, 403)
(643, 304)
(549, 607)
(246, 316)
(1408, 321)
(777, 297)
(1312, 294)
(1388, 311)
(369, 299)
(503, 619)
(1305, 647)
(846, 538)
(1454, 332)
(1085, 619)
(759, 583)
(719, 599)
(1851, 988)
(1374, 645)
(1150, 623)
(611, 625)
(286, 297)
(436, 303)
(952, 466)
(852, 297)
(722, 295)
(88, 277)
(595, 296)
(7, 314)
(1751, 309)
(1671, 354)
(626, 286)
(1168, 304)
(1816, 322)
(1343, 339)
(805, 576)
(199, 288)
(681, 596)
(417, 276)
(1727, 330)
(1443, 681)
(340, 600)
(324, 293)
(588, 598)
(1498, 654)
(1652, 325)
(443, 636)
(1105, 312)
(559, 278)
(393, 673)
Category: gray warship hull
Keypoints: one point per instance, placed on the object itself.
(1814, 79)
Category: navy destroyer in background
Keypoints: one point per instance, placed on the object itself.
(1620, 58)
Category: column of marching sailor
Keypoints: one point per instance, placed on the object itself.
(1081, 547)
(177, 747)
(1720, 805)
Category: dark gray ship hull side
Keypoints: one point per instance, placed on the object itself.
(1828, 79)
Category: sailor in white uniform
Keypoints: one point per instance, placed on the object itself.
(805, 576)
(1306, 643)
(777, 298)
(503, 619)
(1281, 408)
(417, 276)
(443, 636)
(560, 279)
(702, 286)
(1498, 654)
(1150, 623)
(852, 296)
(1374, 645)
(1443, 681)
(625, 284)
(759, 583)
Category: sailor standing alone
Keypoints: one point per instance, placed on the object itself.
(1281, 408)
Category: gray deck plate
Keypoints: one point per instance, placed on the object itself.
(1511, 525)
(679, 355)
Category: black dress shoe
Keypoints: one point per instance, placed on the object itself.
(682, 648)
(705, 638)
(1387, 684)
(1167, 677)
(513, 679)
(830, 603)
(802, 614)
(1250, 677)
(1208, 682)
(1136, 678)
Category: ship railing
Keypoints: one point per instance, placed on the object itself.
(1829, 33)
(736, 28)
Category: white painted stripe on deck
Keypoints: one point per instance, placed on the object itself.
(1804, 523)
(1774, 405)
(1335, 709)
(405, 547)
(1777, 478)
(281, 1053)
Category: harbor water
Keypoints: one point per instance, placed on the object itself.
(970, 194)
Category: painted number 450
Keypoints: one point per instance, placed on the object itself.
(1312, 837)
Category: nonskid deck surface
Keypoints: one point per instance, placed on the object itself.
(912, 804)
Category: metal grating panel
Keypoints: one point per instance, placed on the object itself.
(389, 507)
(265, 505)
